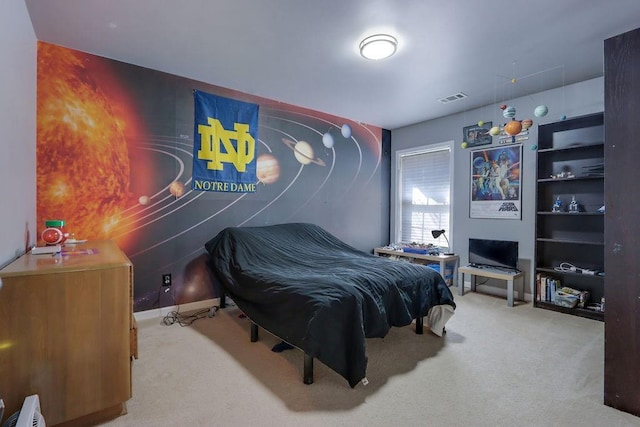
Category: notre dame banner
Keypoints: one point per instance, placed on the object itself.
(224, 146)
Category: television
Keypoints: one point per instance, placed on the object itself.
(493, 253)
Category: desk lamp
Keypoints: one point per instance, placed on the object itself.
(436, 234)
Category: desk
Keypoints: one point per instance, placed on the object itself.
(492, 273)
(441, 259)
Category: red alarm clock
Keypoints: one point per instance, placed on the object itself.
(54, 234)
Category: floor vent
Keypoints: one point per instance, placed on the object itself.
(451, 98)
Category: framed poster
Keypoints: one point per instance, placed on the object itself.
(495, 183)
(477, 135)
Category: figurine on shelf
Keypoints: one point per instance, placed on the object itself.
(563, 175)
(573, 206)
(557, 206)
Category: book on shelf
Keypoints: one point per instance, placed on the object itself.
(546, 287)
(549, 289)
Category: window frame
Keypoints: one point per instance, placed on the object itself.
(424, 149)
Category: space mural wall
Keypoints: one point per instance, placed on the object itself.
(114, 160)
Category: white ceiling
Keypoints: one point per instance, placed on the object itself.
(306, 52)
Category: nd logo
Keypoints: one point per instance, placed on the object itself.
(214, 136)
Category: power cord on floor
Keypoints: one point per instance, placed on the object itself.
(186, 320)
(484, 282)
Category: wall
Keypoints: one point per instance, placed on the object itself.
(571, 100)
(17, 121)
(116, 146)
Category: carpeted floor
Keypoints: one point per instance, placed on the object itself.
(495, 366)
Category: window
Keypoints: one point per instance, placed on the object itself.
(423, 193)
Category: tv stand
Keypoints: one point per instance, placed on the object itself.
(492, 273)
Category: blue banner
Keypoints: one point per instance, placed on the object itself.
(224, 146)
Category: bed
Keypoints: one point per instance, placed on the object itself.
(317, 293)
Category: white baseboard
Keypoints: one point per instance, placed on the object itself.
(158, 313)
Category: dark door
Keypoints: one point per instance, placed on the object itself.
(622, 222)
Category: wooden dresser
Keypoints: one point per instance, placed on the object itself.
(67, 333)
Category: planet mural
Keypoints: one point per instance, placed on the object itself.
(267, 168)
(176, 188)
(327, 140)
(109, 149)
(303, 152)
(346, 130)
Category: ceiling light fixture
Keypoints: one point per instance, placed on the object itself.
(378, 46)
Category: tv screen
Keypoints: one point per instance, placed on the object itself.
(493, 253)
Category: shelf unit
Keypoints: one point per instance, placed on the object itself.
(571, 164)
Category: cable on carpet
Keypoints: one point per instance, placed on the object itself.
(187, 319)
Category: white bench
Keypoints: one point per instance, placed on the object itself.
(492, 273)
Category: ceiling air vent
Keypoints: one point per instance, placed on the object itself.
(451, 98)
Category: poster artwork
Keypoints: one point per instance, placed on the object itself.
(476, 135)
(495, 183)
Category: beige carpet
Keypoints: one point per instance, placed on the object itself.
(495, 366)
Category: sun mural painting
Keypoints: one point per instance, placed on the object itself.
(82, 156)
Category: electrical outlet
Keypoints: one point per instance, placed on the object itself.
(166, 279)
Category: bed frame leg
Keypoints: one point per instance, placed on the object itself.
(308, 369)
(223, 298)
(419, 325)
(254, 332)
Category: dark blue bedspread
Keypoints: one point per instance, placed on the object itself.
(319, 294)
